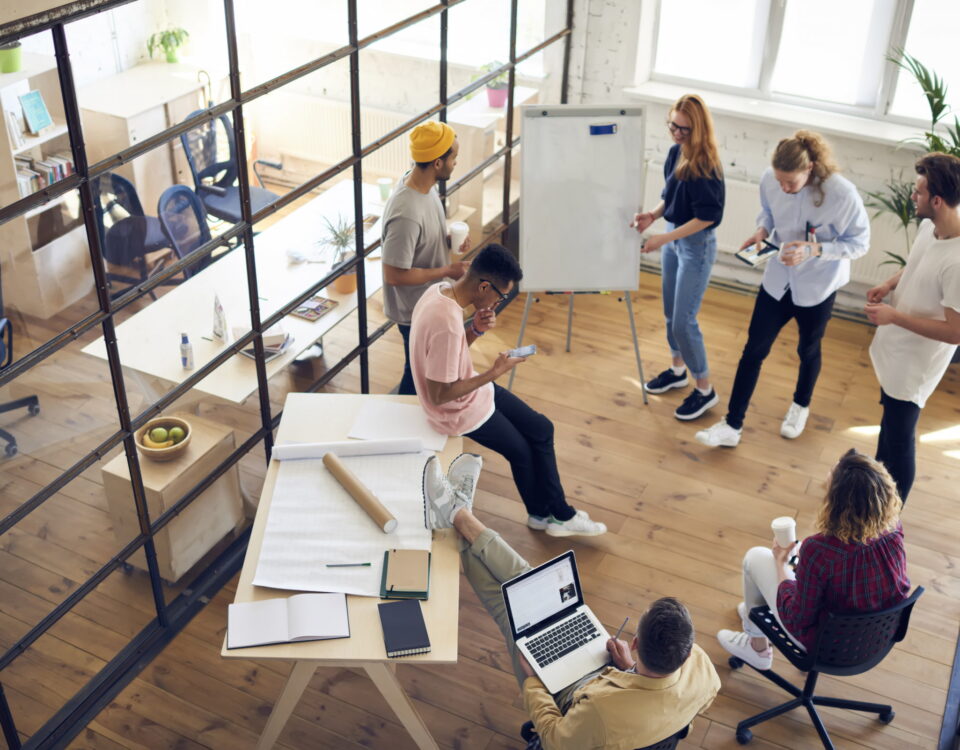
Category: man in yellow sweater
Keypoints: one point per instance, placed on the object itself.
(633, 703)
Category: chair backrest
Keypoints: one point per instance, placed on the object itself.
(183, 220)
(6, 343)
(854, 642)
(210, 151)
(116, 197)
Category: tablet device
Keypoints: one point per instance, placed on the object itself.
(758, 253)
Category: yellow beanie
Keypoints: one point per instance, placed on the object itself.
(430, 141)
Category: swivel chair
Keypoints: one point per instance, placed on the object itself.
(184, 223)
(847, 644)
(30, 403)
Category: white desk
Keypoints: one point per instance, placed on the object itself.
(149, 342)
(319, 417)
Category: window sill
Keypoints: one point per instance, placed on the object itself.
(791, 115)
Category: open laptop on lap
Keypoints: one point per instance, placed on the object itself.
(555, 631)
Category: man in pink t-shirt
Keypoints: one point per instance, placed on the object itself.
(460, 401)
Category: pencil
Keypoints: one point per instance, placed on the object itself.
(348, 565)
(622, 626)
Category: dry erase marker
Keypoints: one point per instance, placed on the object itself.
(348, 565)
(622, 626)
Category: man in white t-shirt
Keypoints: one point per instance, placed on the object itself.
(459, 401)
(918, 332)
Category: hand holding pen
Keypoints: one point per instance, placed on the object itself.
(620, 650)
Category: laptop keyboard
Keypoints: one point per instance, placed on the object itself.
(551, 644)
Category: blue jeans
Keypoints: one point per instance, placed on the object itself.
(686, 266)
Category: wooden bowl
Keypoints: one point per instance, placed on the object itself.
(163, 454)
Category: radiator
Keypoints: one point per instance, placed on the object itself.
(740, 221)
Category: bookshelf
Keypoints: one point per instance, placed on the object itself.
(44, 260)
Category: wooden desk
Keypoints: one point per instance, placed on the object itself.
(317, 417)
(149, 342)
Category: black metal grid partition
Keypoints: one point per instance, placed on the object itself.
(168, 617)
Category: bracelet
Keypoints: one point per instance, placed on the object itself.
(473, 328)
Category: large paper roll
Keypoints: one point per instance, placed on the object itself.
(359, 492)
(290, 451)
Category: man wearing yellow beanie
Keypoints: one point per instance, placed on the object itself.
(415, 240)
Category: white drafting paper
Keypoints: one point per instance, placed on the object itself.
(313, 521)
(342, 448)
(380, 420)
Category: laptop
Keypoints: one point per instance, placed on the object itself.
(556, 632)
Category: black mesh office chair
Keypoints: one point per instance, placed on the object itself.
(847, 644)
(211, 153)
(529, 734)
(184, 223)
(30, 403)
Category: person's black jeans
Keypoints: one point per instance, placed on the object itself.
(407, 387)
(897, 443)
(525, 438)
(769, 317)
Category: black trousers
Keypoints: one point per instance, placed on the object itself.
(525, 438)
(897, 443)
(769, 317)
(407, 387)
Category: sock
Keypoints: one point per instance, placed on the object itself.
(705, 391)
(678, 370)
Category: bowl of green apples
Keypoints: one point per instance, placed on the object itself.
(163, 438)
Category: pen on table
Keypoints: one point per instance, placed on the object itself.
(622, 626)
(206, 338)
(348, 565)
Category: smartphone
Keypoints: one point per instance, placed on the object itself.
(523, 351)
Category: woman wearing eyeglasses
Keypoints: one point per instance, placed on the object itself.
(692, 204)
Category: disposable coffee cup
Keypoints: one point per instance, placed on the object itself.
(385, 184)
(458, 233)
(784, 530)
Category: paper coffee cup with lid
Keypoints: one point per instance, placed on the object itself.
(784, 530)
(458, 233)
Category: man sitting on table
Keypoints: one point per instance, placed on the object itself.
(458, 401)
(415, 239)
(637, 701)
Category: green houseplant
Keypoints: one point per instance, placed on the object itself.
(496, 86)
(340, 236)
(169, 41)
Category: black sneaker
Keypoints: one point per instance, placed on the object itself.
(666, 380)
(696, 404)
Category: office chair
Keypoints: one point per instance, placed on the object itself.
(131, 235)
(184, 223)
(30, 403)
(211, 153)
(529, 734)
(847, 644)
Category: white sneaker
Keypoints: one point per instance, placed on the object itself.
(538, 523)
(579, 525)
(464, 473)
(441, 500)
(737, 643)
(795, 421)
(720, 434)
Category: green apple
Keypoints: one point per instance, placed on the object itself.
(176, 434)
(159, 435)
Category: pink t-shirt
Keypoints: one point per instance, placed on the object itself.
(439, 351)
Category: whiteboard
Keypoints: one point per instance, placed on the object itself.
(579, 193)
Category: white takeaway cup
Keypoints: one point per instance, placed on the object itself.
(784, 530)
(458, 233)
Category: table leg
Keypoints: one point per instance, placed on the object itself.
(289, 697)
(387, 683)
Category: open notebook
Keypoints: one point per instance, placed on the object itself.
(302, 617)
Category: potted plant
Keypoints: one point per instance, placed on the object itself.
(341, 238)
(168, 41)
(10, 57)
(497, 86)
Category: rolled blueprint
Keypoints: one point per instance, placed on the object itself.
(290, 451)
(382, 517)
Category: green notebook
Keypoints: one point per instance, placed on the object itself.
(406, 574)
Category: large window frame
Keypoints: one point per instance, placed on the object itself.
(173, 616)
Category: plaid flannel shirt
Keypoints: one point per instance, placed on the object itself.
(833, 576)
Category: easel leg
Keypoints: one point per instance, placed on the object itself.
(569, 320)
(523, 327)
(289, 697)
(385, 679)
(636, 344)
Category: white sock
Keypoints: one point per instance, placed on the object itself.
(678, 370)
(705, 391)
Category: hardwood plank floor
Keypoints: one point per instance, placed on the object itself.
(680, 516)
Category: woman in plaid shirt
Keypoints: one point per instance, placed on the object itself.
(855, 563)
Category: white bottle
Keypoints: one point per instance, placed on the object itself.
(186, 352)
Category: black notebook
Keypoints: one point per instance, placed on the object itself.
(404, 631)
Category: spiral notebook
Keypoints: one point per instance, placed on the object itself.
(404, 631)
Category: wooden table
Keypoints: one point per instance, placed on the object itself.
(319, 417)
(149, 342)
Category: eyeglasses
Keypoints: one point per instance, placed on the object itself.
(493, 286)
(674, 128)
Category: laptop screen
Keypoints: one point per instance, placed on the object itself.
(540, 594)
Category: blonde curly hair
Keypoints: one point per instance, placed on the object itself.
(861, 503)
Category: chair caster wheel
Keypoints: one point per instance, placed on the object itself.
(887, 716)
(11, 449)
(744, 736)
(735, 662)
(33, 410)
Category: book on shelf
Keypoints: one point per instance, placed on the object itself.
(301, 617)
(14, 128)
(35, 112)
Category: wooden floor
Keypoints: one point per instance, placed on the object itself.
(680, 517)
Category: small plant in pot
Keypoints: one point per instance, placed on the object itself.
(10, 57)
(497, 86)
(341, 238)
(169, 41)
